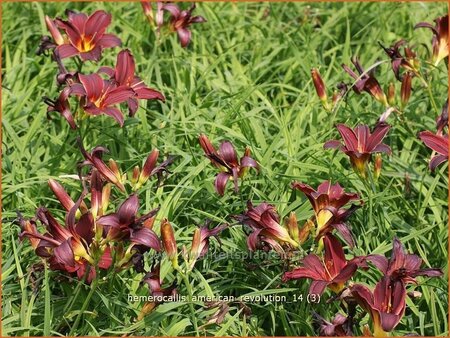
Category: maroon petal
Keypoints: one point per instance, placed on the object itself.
(345, 232)
(362, 133)
(109, 41)
(146, 237)
(118, 95)
(105, 260)
(428, 273)
(228, 153)
(149, 94)
(184, 35)
(62, 196)
(382, 148)
(125, 67)
(95, 54)
(85, 227)
(334, 255)
(221, 182)
(332, 144)
(173, 9)
(97, 23)
(127, 211)
(115, 113)
(346, 273)
(66, 51)
(349, 137)
(106, 70)
(435, 142)
(247, 162)
(380, 262)
(437, 160)
(93, 85)
(377, 136)
(197, 19)
(64, 254)
(317, 287)
(252, 240)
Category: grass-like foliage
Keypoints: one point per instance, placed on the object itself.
(223, 171)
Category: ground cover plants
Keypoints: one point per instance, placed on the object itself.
(225, 169)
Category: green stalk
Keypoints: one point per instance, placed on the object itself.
(191, 305)
(85, 304)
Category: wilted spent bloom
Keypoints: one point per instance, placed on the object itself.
(340, 326)
(328, 202)
(402, 266)
(359, 144)
(227, 161)
(181, 20)
(153, 280)
(266, 227)
(85, 35)
(150, 168)
(62, 106)
(366, 81)
(440, 37)
(123, 76)
(437, 143)
(442, 120)
(169, 242)
(408, 61)
(385, 305)
(333, 271)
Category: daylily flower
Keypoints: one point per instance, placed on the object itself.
(86, 35)
(181, 20)
(65, 247)
(442, 120)
(359, 144)
(226, 160)
(125, 224)
(408, 61)
(437, 143)
(328, 202)
(110, 173)
(265, 223)
(386, 304)
(332, 272)
(366, 81)
(402, 266)
(339, 327)
(99, 96)
(200, 242)
(124, 77)
(440, 37)
(153, 280)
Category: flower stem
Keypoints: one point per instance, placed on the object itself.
(191, 305)
(85, 304)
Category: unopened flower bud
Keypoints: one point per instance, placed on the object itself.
(405, 92)
(169, 242)
(378, 163)
(391, 94)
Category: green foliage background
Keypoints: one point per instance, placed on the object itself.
(246, 78)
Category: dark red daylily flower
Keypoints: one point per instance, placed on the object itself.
(86, 35)
(99, 96)
(125, 224)
(402, 266)
(200, 242)
(442, 120)
(338, 327)
(328, 202)
(181, 20)
(332, 272)
(366, 81)
(437, 143)
(65, 247)
(440, 37)
(227, 161)
(359, 144)
(110, 173)
(124, 77)
(265, 223)
(386, 304)
(408, 61)
(153, 280)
